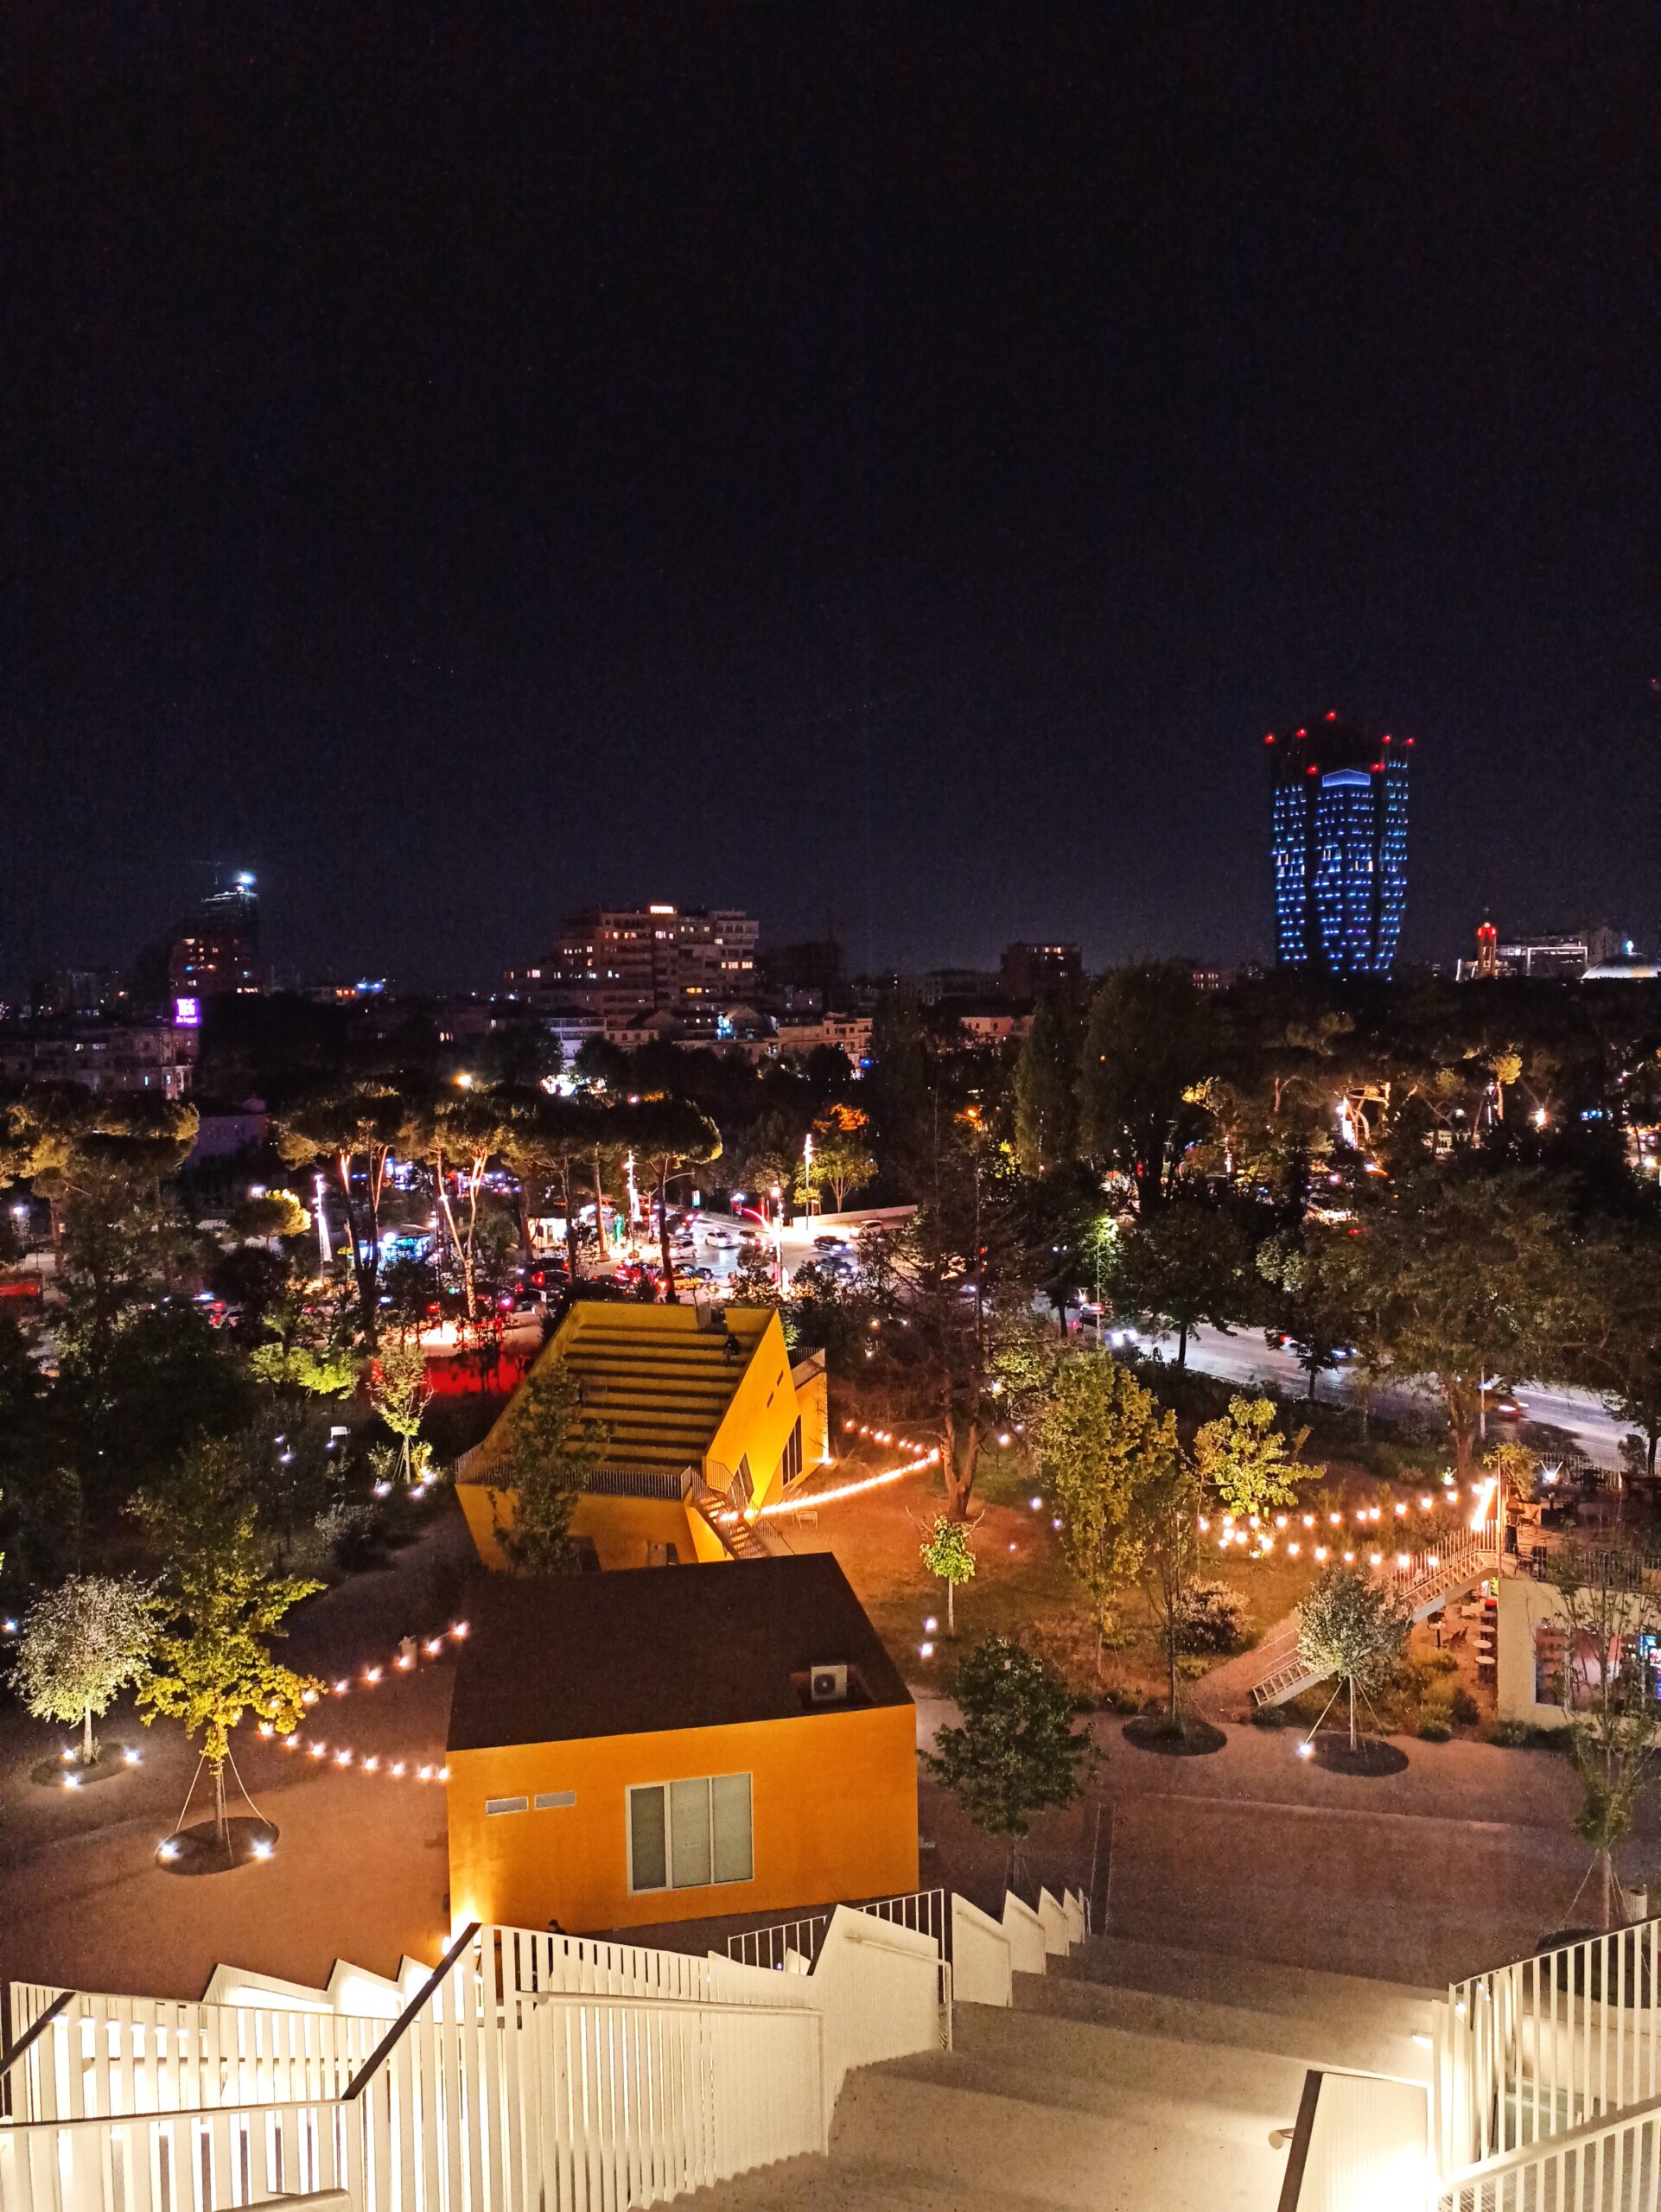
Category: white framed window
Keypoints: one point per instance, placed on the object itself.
(495, 1805)
(690, 1835)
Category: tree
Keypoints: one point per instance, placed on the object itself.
(550, 1446)
(1246, 1460)
(668, 1136)
(946, 1552)
(841, 1161)
(1162, 1526)
(273, 1213)
(455, 1133)
(1306, 1304)
(947, 1290)
(1462, 1273)
(1185, 1262)
(1351, 1628)
(1606, 1692)
(1102, 1440)
(1624, 1265)
(306, 1353)
(216, 1612)
(80, 1644)
(1047, 1089)
(1146, 1050)
(543, 1138)
(357, 1131)
(1016, 1752)
(399, 1392)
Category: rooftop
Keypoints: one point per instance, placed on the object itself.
(660, 1648)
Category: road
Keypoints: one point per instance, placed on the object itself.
(1244, 1358)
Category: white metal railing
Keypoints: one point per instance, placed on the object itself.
(1542, 2046)
(785, 1944)
(1427, 1581)
(1609, 2166)
(924, 1911)
(529, 2071)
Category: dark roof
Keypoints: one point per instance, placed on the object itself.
(647, 1649)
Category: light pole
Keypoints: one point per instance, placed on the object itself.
(779, 1236)
(325, 1254)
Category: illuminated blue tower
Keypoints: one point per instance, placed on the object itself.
(1339, 837)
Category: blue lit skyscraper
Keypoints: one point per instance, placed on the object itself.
(1339, 836)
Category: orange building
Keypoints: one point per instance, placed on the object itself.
(629, 1749)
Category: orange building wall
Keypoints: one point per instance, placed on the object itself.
(833, 1815)
(619, 1528)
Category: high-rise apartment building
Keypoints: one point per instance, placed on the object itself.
(1035, 971)
(216, 947)
(616, 960)
(1339, 838)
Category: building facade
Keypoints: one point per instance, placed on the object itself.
(1339, 842)
(215, 949)
(109, 1058)
(1029, 972)
(623, 960)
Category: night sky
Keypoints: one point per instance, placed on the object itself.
(880, 464)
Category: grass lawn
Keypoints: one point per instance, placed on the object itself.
(1023, 1588)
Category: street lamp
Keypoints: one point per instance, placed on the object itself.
(778, 1235)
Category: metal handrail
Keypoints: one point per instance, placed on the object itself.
(410, 2013)
(26, 2041)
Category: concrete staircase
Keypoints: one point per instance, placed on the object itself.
(1131, 2076)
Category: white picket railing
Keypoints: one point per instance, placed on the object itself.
(1611, 2165)
(532, 2073)
(1540, 2047)
(777, 1946)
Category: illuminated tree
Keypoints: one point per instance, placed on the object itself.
(216, 1611)
(455, 1133)
(357, 1131)
(274, 1213)
(550, 1446)
(668, 1136)
(946, 1552)
(1351, 1628)
(80, 1646)
(841, 1163)
(1104, 1440)
(1246, 1460)
(399, 1392)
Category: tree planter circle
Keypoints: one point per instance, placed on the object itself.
(110, 1761)
(1192, 1739)
(1372, 1760)
(200, 1850)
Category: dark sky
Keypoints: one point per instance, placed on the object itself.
(877, 461)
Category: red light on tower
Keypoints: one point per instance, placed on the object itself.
(1332, 714)
(1303, 733)
(1269, 739)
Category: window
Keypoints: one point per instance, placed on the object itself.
(555, 1800)
(790, 1465)
(689, 1836)
(494, 1805)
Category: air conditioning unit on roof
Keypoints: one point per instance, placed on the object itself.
(827, 1685)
